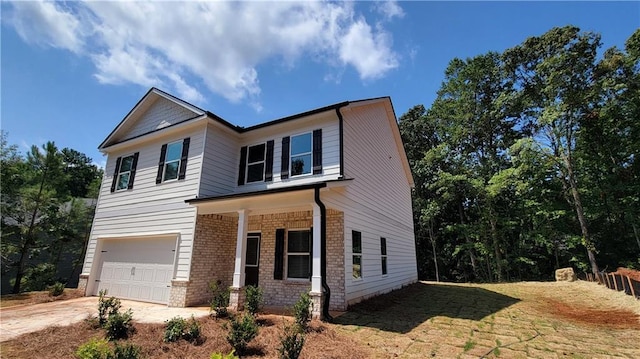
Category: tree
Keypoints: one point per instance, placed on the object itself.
(554, 73)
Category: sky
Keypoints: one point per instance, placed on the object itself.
(71, 71)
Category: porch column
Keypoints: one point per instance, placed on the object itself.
(316, 276)
(236, 299)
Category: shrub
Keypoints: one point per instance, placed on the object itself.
(56, 289)
(253, 297)
(126, 351)
(302, 311)
(119, 325)
(94, 349)
(242, 332)
(106, 307)
(177, 328)
(220, 300)
(291, 342)
(231, 355)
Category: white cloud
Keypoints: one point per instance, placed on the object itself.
(219, 44)
(389, 9)
(47, 24)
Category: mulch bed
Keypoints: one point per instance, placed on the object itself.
(11, 300)
(631, 273)
(322, 341)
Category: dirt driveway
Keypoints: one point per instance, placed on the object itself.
(18, 320)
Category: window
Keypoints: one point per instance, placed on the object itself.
(301, 152)
(124, 172)
(383, 254)
(173, 161)
(356, 238)
(255, 163)
(299, 254)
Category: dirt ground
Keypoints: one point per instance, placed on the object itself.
(425, 320)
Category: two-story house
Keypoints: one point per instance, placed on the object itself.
(317, 202)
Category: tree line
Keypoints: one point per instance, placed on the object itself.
(527, 161)
(47, 207)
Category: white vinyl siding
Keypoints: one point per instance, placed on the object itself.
(148, 208)
(220, 164)
(161, 113)
(377, 202)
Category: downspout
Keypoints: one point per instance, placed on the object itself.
(323, 256)
(341, 136)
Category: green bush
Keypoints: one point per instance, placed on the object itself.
(126, 351)
(302, 311)
(106, 307)
(177, 328)
(242, 332)
(94, 349)
(56, 289)
(231, 355)
(220, 300)
(291, 343)
(119, 325)
(253, 297)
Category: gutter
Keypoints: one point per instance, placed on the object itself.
(323, 256)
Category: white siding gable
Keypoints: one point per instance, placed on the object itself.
(161, 113)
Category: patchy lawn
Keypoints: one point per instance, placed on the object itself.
(11, 300)
(513, 320)
(510, 320)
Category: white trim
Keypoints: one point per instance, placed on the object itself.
(179, 160)
(310, 153)
(287, 254)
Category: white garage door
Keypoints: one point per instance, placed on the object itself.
(138, 269)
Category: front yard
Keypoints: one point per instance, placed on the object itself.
(514, 320)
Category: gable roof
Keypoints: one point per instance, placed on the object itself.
(154, 94)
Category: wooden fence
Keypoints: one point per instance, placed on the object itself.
(616, 282)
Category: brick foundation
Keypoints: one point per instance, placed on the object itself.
(82, 283)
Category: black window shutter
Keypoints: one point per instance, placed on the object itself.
(163, 153)
(242, 167)
(278, 263)
(183, 158)
(115, 175)
(317, 151)
(284, 167)
(310, 252)
(132, 176)
(268, 165)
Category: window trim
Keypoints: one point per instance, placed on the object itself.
(384, 257)
(120, 173)
(287, 254)
(355, 254)
(310, 154)
(264, 163)
(179, 160)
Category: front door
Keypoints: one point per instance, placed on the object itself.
(251, 268)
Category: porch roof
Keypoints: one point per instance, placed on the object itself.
(280, 197)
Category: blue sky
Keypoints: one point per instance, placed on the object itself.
(71, 71)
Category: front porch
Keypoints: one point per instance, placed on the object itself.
(271, 239)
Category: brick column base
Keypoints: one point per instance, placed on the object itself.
(236, 299)
(316, 305)
(82, 283)
(178, 293)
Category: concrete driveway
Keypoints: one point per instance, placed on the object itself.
(18, 320)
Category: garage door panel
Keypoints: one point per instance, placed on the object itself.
(137, 269)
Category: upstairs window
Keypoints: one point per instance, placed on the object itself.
(173, 161)
(356, 249)
(124, 173)
(255, 163)
(301, 152)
